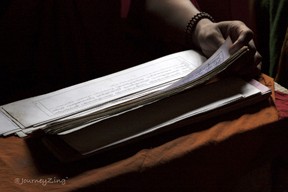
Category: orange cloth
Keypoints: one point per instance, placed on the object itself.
(207, 156)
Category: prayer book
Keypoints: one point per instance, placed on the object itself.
(100, 114)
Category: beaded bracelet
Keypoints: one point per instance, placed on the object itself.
(193, 22)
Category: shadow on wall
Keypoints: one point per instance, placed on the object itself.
(3, 6)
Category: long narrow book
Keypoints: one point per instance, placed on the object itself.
(164, 92)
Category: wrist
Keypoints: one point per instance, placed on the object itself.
(197, 33)
(195, 26)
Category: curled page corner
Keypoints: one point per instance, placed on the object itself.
(220, 56)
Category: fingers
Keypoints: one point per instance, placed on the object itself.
(250, 65)
(213, 36)
(257, 58)
(239, 33)
(243, 36)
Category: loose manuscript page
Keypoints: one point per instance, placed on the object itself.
(104, 91)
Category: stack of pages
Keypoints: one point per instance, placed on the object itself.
(107, 111)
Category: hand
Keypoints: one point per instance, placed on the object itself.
(208, 37)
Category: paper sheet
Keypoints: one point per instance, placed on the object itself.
(215, 60)
(6, 125)
(92, 94)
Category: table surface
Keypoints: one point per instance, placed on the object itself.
(209, 156)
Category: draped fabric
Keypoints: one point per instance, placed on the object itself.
(282, 78)
(272, 22)
(241, 151)
(282, 71)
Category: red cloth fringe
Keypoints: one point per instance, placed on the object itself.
(281, 102)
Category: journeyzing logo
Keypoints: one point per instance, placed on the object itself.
(42, 181)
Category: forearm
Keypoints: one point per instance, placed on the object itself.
(169, 19)
(175, 13)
